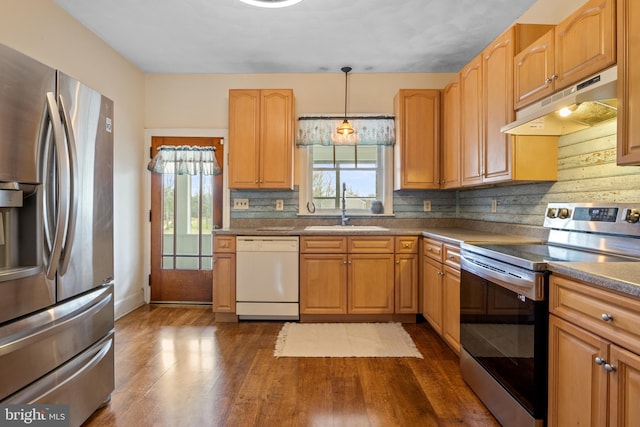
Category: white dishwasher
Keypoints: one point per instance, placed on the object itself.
(267, 277)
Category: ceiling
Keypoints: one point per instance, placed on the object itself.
(314, 36)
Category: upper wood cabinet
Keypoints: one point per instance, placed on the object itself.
(628, 82)
(534, 71)
(488, 155)
(261, 130)
(417, 149)
(581, 45)
(451, 135)
(585, 42)
(497, 97)
(471, 133)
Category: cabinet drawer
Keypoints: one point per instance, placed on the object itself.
(451, 256)
(371, 244)
(406, 244)
(589, 307)
(224, 244)
(432, 248)
(323, 245)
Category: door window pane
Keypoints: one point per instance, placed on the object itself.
(187, 212)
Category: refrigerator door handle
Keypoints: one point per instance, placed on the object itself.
(73, 186)
(63, 185)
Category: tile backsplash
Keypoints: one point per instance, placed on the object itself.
(587, 172)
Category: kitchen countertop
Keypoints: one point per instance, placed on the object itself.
(454, 235)
(617, 276)
(459, 235)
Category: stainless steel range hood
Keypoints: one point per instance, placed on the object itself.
(587, 103)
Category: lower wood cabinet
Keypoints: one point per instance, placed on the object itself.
(323, 283)
(594, 356)
(451, 307)
(370, 284)
(441, 289)
(366, 275)
(224, 278)
(406, 283)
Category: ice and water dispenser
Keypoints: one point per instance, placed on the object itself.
(21, 267)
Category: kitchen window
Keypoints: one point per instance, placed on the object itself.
(365, 170)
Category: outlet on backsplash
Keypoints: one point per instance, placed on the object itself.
(426, 206)
(240, 203)
(494, 205)
(279, 205)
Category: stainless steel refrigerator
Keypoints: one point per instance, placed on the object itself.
(56, 239)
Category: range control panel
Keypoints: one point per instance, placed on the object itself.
(616, 218)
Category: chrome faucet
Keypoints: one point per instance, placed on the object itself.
(344, 204)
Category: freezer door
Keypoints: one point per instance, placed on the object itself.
(35, 345)
(84, 383)
(24, 83)
(87, 256)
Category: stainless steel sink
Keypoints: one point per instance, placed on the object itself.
(345, 228)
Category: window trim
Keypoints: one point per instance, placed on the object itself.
(305, 190)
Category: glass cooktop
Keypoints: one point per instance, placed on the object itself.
(536, 256)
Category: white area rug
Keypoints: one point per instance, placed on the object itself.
(345, 340)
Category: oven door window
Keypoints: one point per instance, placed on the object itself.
(506, 334)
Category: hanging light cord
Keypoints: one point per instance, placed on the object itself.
(345, 70)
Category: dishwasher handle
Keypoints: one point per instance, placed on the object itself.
(267, 244)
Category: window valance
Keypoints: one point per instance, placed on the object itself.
(369, 130)
(185, 160)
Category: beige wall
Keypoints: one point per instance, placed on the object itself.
(40, 29)
(200, 100)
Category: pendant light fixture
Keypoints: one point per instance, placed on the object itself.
(345, 128)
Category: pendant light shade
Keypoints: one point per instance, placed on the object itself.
(345, 128)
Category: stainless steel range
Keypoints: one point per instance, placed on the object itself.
(504, 308)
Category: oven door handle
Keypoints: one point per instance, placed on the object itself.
(531, 288)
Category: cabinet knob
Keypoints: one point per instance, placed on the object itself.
(609, 368)
(398, 262)
(599, 361)
(407, 245)
(606, 317)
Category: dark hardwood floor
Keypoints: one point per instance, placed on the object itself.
(176, 367)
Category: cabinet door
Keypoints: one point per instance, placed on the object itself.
(224, 283)
(628, 82)
(406, 288)
(451, 308)
(534, 71)
(417, 150)
(624, 409)
(451, 135)
(585, 42)
(497, 71)
(432, 293)
(244, 136)
(471, 119)
(577, 385)
(371, 283)
(276, 139)
(323, 283)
